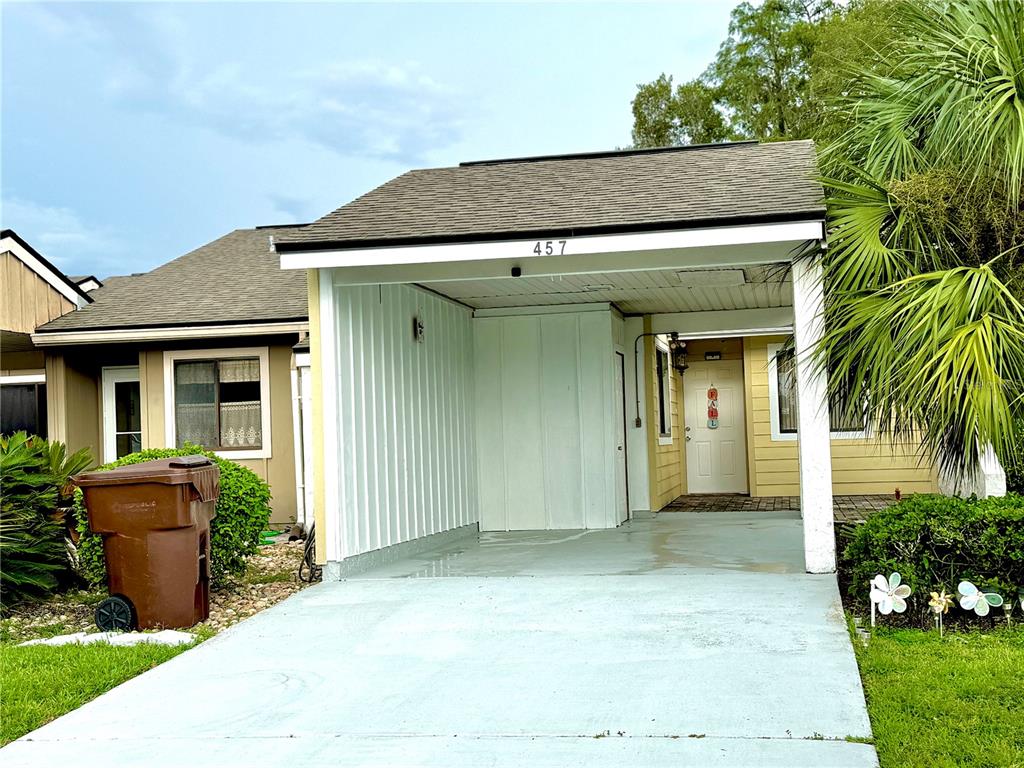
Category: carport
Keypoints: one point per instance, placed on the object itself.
(686, 639)
(474, 336)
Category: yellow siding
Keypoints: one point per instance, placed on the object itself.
(871, 465)
(668, 480)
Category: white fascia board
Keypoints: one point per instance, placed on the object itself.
(10, 245)
(527, 250)
(725, 323)
(164, 334)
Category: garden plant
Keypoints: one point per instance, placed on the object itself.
(35, 493)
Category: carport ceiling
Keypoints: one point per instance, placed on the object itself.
(641, 292)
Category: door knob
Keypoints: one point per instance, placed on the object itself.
(688, 438)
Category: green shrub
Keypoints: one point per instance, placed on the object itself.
(243, 511)
(34, 496)
(936, 542)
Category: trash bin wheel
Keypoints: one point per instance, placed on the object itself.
(115, 613)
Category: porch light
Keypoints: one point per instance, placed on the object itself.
(677, 351)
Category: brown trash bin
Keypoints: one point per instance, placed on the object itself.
(154, 518)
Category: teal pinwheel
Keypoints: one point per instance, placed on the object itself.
(973, 599)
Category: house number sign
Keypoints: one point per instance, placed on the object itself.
(712, 408)
(549, 247)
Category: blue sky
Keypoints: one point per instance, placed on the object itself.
(134, 133)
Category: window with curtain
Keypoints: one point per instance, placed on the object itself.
(839, 421)
(217, 403)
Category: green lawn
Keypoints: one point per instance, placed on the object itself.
(956, 702)
(40, 683)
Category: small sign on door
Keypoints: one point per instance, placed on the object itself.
(712, 408)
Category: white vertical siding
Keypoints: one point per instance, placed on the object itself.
(405, 444)
(545, 437)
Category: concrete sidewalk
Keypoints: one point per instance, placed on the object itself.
(688, 665)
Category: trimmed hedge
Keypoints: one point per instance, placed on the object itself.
(938, 541)
(243, 511)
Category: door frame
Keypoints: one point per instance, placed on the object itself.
(111, 375)
(620, 362)
(742, 430)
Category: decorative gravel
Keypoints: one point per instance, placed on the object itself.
(270, 578)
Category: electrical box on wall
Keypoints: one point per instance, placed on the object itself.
(417, 329)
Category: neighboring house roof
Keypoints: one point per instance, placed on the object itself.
(573, 195)
(11, 242)
(86, 282)
(234, 280)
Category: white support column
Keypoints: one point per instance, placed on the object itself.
(333, 524)
(813, 425)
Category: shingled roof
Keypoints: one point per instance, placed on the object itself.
(236, 279)
(572, 195)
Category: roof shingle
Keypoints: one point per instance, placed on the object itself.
(234, 279)
(686, 186)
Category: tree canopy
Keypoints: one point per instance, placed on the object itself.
(782, 60)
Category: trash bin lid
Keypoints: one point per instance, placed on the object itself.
(198, 471)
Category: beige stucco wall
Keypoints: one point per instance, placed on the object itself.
(74, 402)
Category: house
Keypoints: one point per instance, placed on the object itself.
(567, 341)
(32, 292)
(207, 349)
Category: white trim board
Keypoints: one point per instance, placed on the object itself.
(526, 249)
(109, 376)
(24, 378)
(263, 353)
(544, 309)
(10, 245)
(165, 334)
(725, 323)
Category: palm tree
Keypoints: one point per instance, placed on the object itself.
(924, 317)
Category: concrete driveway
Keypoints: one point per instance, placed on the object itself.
(685, 640)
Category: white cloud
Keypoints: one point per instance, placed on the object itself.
(390, 110)
(63, 238)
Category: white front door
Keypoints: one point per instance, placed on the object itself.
(122, 412)
(619, 393)
(716, 449)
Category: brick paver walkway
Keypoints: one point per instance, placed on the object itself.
(847, 509)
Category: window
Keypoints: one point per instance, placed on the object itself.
(220, 400)
(783, 400)
(23, 406)
(664, 392)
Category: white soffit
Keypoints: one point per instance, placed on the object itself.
(640, 292)
(711, 278)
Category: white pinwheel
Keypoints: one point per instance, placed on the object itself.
(973, 599)
(889, 595)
